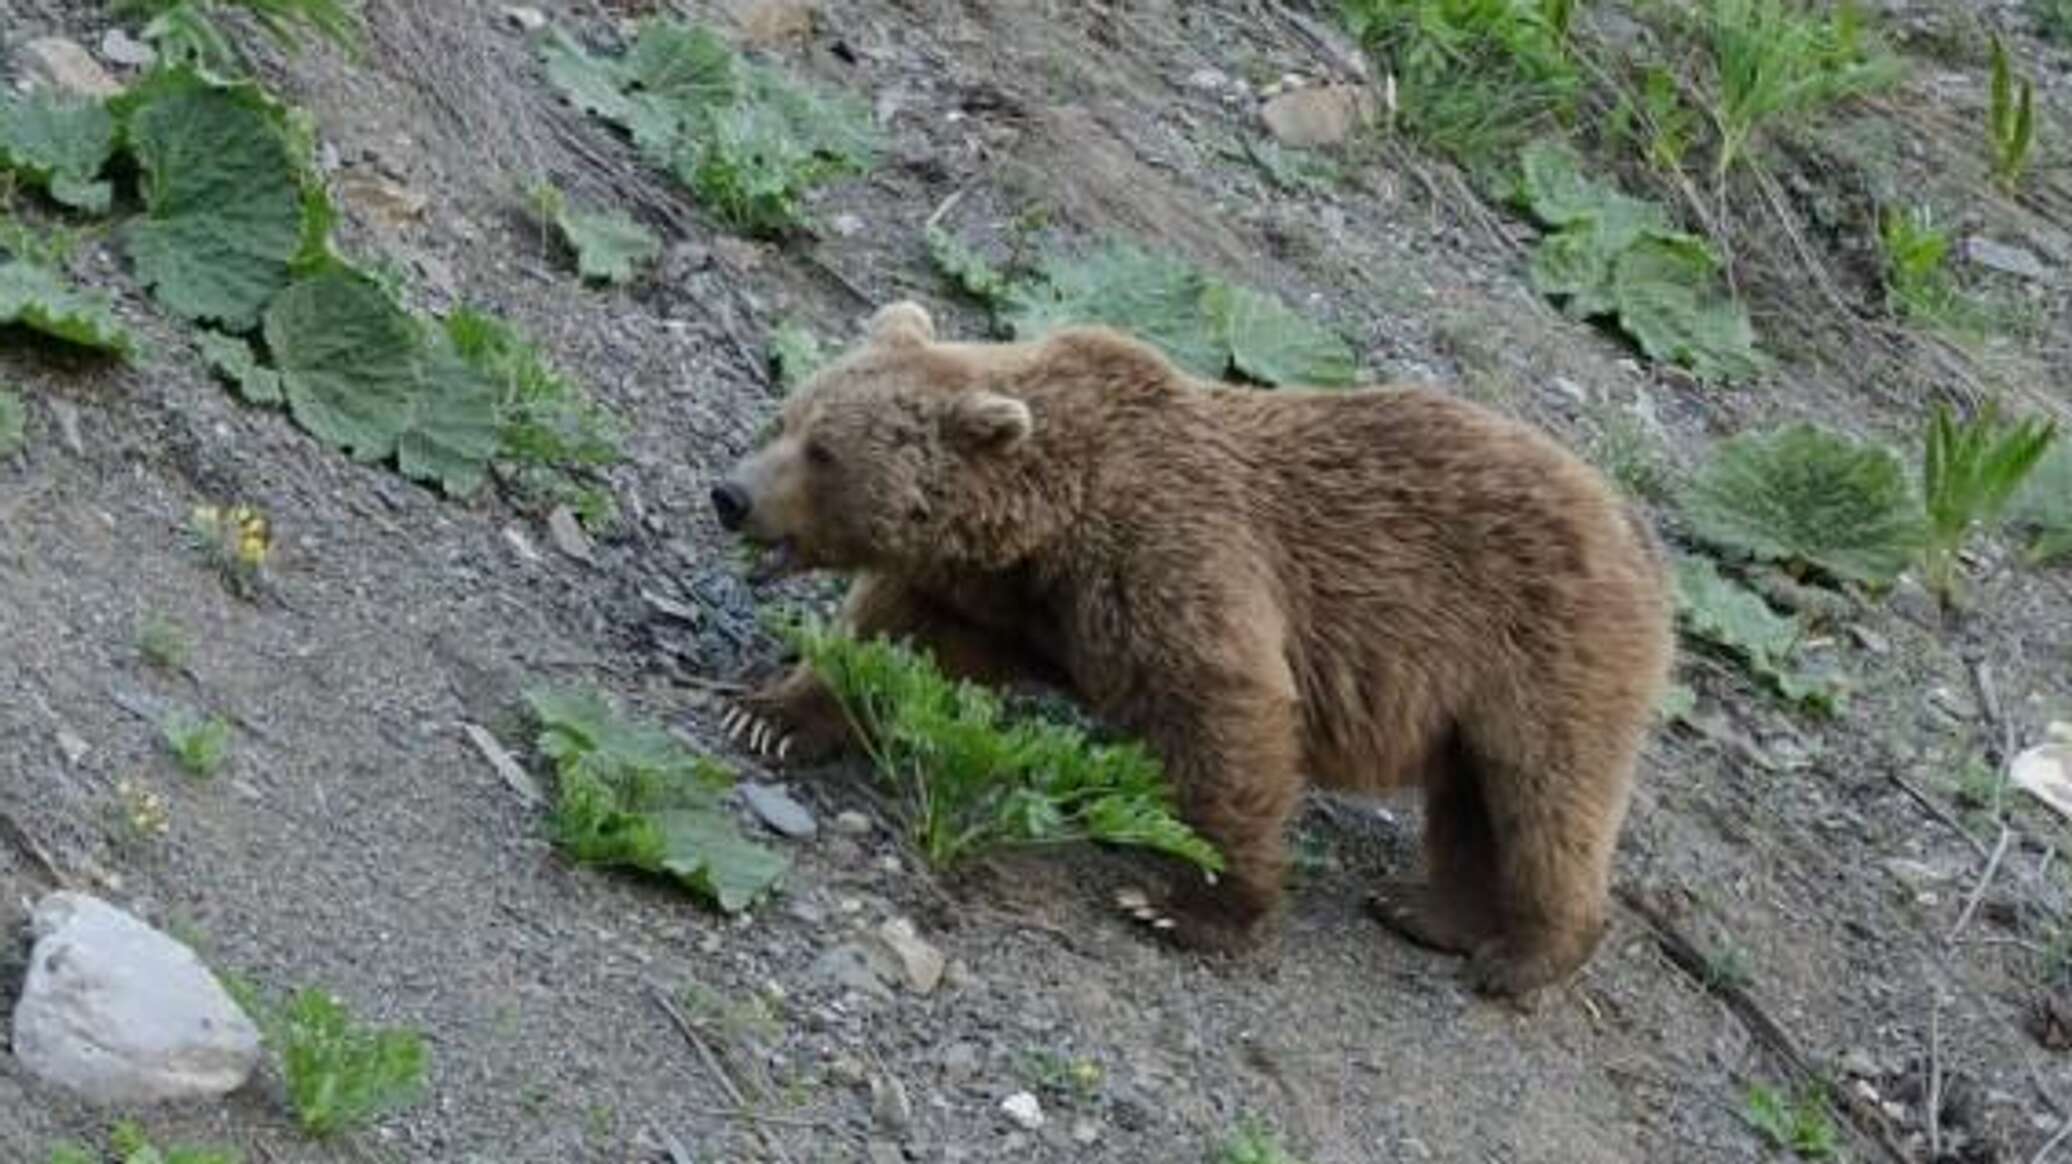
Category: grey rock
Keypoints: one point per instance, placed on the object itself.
(853, 823)
(53, 62)
(120, 48)
(852, 967)
(920, 964)
(120, 1013)
(778, 810)
(960, 1062)
(891, 1109)
(883, 1152)
(568, 534)
(2008, 260)
(1320, 116)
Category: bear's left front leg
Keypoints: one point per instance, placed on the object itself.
(1232, 754)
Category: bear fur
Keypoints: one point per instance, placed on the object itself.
(1367, 589)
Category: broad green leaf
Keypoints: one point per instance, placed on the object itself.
(630, 794)
(592, 84)
(60, 143)
(683, 64)
(1802, 494)
(1732, 617)
(1552, 185)
(232, 359)
(41, 300)
(359, 375)
(223, 197)
(1663, 289)
(608, 246)
(1159, 299)
(1274, 345)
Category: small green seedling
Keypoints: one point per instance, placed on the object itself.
(162, 643)
(1799, 1124)
(199, 745)
(1253, 1142)
(2012, 123)
(1969, 473)
(341, 1074)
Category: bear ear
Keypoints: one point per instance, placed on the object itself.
(989, 421)
(902, 322)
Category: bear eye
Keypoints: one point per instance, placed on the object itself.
(819, 454)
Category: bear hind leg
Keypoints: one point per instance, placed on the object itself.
(1451, 910)
(1555, 804)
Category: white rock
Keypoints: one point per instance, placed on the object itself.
(853, 823)
(1024, 1110)
(525, 18)
(777, 809)
(120, 48)
(122, 1014)
(52, 62)
(919, 963)
(2045, 772)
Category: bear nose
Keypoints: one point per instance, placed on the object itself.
(730, 502)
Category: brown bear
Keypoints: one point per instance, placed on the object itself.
(1368, 589)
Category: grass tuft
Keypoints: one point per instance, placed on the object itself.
(1970, 472)
(1778, 62)
(198, 745)
(1797, 1123)
(340, 1073)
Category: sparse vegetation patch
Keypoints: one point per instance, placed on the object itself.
(1719, 611)
(1211, 327)
(339, 1072)
(971, 779)
(749, 142)
(629, 794)
(608, 246)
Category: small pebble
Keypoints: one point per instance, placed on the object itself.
(1024, 1110)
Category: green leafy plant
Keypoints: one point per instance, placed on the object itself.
(2011, 121)
(1796, 1123)
(795, 354)
(972, 779)
(608, 246)
(1474, 78)
(14, 418)
(1253, 1142)
(1729, 616)
(235, 541)
(59, 143)
(162, 643)
(42, 300)
(361, 374)
(749, 142)
(1777, 62)
(1917, 283)
(227, 207)
(340, 1073)
(2054, 18)
(1210, 327)
(232, 359)
(1611, 255)
(186, 32)
(549, 429)
(2043, 507)
(1656, 121)
(1970, 471)
(629, 794)
(1808, 498)
(198, 745)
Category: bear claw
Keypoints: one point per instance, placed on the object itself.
(761, 737)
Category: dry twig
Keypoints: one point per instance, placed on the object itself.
(1985, 879)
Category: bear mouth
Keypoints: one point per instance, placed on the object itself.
(775, 560)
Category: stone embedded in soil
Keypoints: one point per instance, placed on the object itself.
(852, 967)
(853, 823)
(1321, 116)
(920, 963)
(525, 18)
(775, 808)
(568, 534)
(381, 201)
(120, 48)
(2045, 772)
(960, 1062)
(57, 63)
(2006, 259)
(122, 1014)
(891, 1109)
(772, 22)
(1024, 1110)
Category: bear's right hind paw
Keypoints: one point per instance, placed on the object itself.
(762, 737)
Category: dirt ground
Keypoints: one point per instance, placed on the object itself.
(358, 841)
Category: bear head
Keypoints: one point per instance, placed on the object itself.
(880, 460)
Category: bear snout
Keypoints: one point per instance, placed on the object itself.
(730, 502)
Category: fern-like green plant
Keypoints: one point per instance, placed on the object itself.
(2011, 120)
(1780, 61)
(1796, 1123)
(1811, 499)
(972, 779)
(1970, 471)
(198, 745)
(1916, 282)
(186, 32)
(340, 1073)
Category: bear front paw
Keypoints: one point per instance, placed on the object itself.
(758, 735)
(1197, 918)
